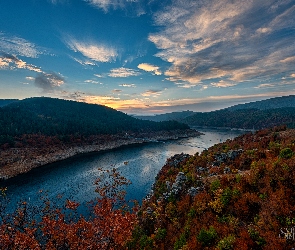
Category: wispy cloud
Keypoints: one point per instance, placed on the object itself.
(116, 90)
(223, 84)
(232, 40)
(123, 72)
(18, 46)
(145, 105)
(93, 51)
(150, 68)
(137, 6)
(151, 92)
(265, 85)
(131, 85)
(8, 61)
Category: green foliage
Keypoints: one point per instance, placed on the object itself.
(286, 153)
(192, 213)
(214, 185)
(226, 196)
(146, 243)
(207, 237)
(180, 242)
(160, 234)
(260, 241)
(226, 243)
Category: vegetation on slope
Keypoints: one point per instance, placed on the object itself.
(235, 195)
(257, 115)
(244, 118)
(56, 117)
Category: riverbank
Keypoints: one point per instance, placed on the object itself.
(15, 161)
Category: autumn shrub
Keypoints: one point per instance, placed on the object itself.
(207, 237)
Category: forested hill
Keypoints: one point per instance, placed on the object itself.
(236, 195)
(257, 115)
(244, 118)
(48, 116)
(272, 103)
(4, 102)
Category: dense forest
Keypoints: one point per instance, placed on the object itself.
(257, 115)
(56, 117)
(236, 195)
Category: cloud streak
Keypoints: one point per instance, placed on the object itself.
(93, 51)
(123, 72)
(232, 40)
(18, 46)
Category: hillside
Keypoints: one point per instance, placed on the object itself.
(236, 195)
(272, 103)
(4, 102)
(50, 116)
(257, 115)
(244, 118)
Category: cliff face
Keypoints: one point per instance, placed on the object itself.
(235, 195)
(45, 150)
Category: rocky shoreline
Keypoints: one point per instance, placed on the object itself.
(15, 161)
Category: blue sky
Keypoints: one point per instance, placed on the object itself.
(148, 56)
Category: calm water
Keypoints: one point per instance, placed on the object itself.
(74, 178)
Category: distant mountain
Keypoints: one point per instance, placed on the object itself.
(4, 102)
(48, 116)
(244, 118)
(257, 115)
(272, 103)
(167, 116)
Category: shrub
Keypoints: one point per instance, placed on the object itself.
(207, 237)
(226, 243)
(214, 185)
(286, 153)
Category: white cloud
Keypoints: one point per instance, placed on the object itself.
(95, 52)
(18, 46)
(222, 84)
(128, 85)
(30, 78)
(12, 62)
(123, 72)
(264, 85)
(150, 68)
(91, 81)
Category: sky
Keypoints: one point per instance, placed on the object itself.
(148, 56)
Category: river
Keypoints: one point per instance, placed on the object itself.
(74, 178)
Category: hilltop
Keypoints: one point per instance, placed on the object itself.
(236, 195)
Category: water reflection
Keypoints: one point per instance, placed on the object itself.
(74, 178)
